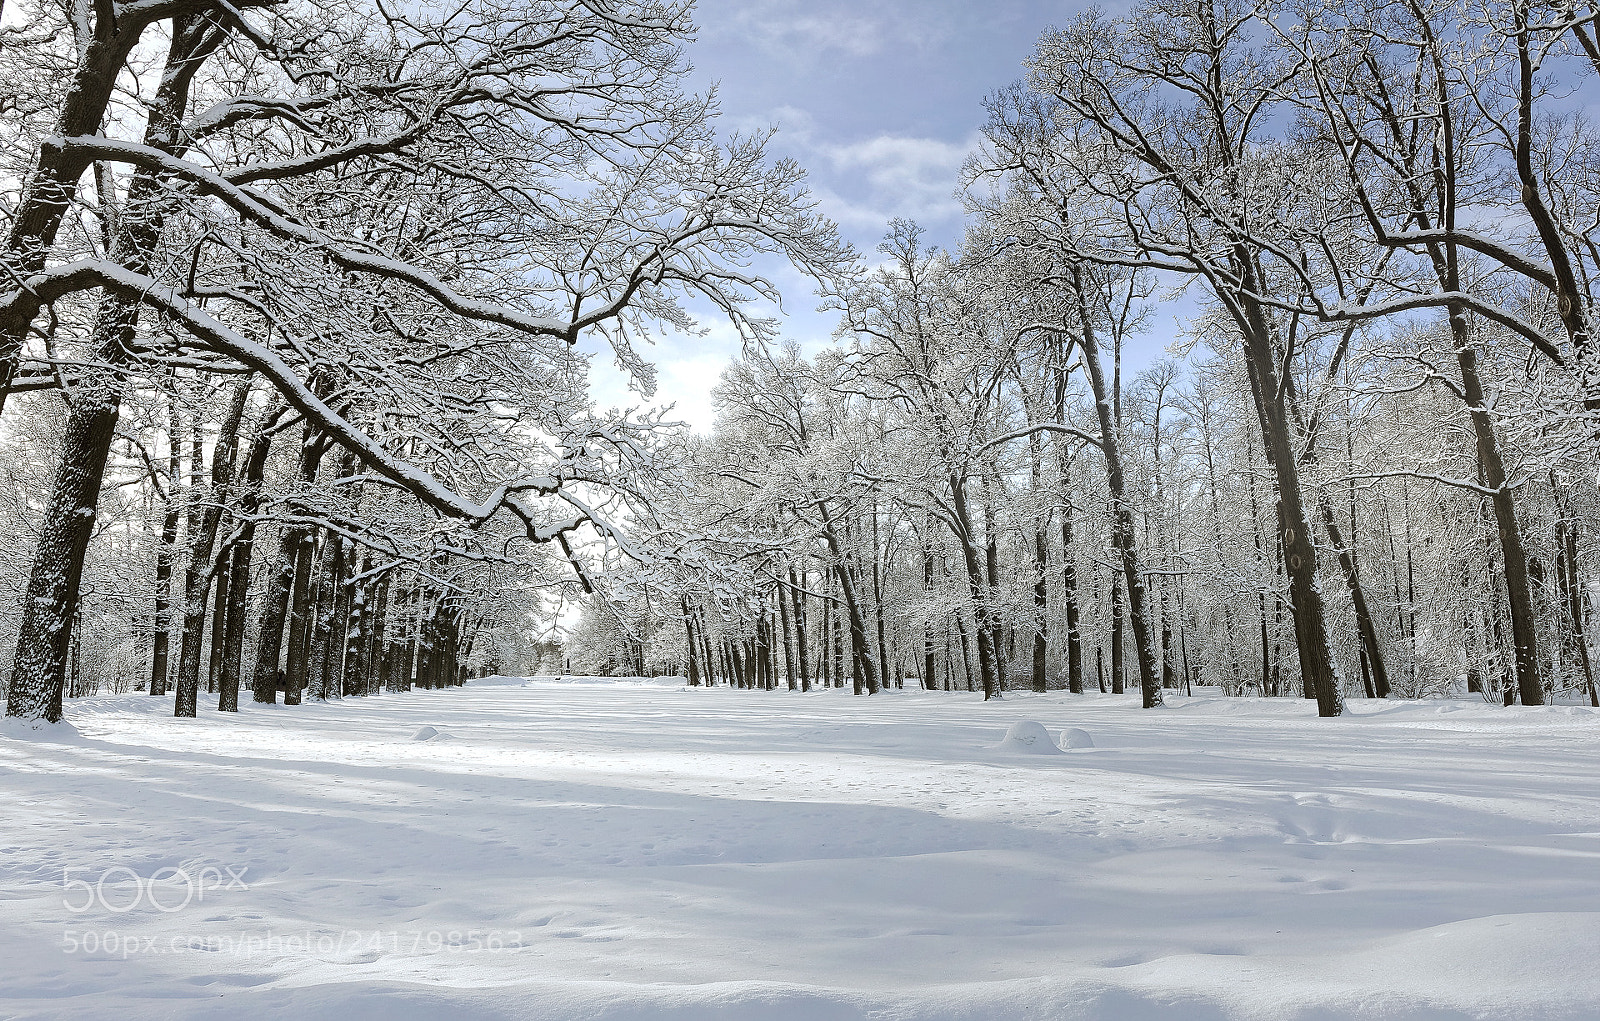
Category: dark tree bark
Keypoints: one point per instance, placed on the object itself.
(219, 619)
(861, 648)
(788, 636)
(373, 676)
(112, 32)
(292, 540)
(159, 669)
(977, 587)
(689, 643)
(353, 677)
(804, 662)
(50, 605)
(928, 644)
(1122, 530)
(241, 550)
(202, 540)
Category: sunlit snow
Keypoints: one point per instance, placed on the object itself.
(583, 850)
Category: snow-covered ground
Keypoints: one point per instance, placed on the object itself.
(614, 851)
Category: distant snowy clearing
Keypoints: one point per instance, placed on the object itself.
(586, 848)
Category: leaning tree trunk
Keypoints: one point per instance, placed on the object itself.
(51, 603)
(1319, 669)
(1519, 593)
(39, 671)
(46, 198)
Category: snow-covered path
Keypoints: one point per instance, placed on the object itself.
(638, 851)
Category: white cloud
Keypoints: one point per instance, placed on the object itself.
(802, 31)
(915, 178)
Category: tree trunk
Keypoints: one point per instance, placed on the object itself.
(1371, 652)
(51, 603)
(1524, 621)
(1122, 530)
(804, 664)
(788, 657)
(977, 588)
(1319, 670)
(39, 672)
(159, 669)
(991, 563)
(241, 551)
(202, 540)
(280, 585)
(860, 647)
(36, 219)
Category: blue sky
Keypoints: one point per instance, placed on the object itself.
(878, 101)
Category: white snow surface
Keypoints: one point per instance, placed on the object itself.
(637, 851)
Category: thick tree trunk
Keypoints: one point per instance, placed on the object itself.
(219, 620)
(38, 674)
(373, 675)
(353, 676)
(1524, 622)
(689, 643)
(51, 603)
(1319, 670)
(296, 660)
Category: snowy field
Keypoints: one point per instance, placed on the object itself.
(587, 851)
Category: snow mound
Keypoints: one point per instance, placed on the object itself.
(1030, 738)
(497, 681)
(18, 729)
(431, 734)
(1074, 737)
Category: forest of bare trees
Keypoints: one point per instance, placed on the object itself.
(299, 299)
(1367, 466)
